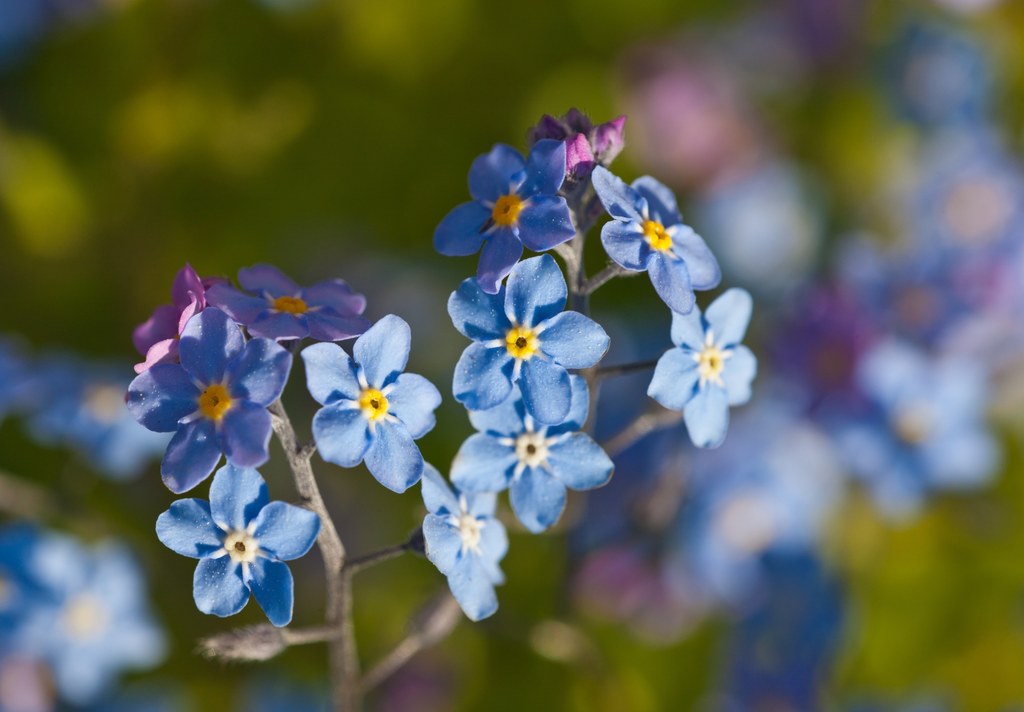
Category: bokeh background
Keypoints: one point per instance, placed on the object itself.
(855, 164)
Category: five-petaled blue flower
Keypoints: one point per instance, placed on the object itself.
(216, 399)
(536, 462)
(465, 542)
(648, 234)
(514, 204)
(371, 409)
(522, 336)
(242, 540)
(709, 370)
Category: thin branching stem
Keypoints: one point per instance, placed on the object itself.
(624, 369)
(603, 277)
(643, 425)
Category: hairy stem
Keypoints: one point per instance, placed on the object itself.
(643, 425)
(356, 564)
(623, 369)
(603, 277)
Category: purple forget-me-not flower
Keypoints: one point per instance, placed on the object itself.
(521, 335)
(465, 542)
(371, 409)
(709, 370)
(647, 234)
(515, 203)
(536, 462)
(215, 401)
(242, 540)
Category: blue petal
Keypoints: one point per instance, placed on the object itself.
(661, 202)
(413, 399)
(217, 587)
(267, 279)
(243, 308)
(545, 169)
(481, 504)
(191, 456)
(547, 393)
(675, 379)
(545, 222)
(285, 531)
(506, 418)
(483, 464)
(483, 376)
(274, 589)
(573, 340)
(442, 542)
(738, 374)
(618, 199)
(260, 372)
(580, 409)
(536, 291)
(342, 434)
(163, 395)
(496, 173)
(579, 462)
(393, 457)
(472, 588)
(245, 435)
(707, 416)
(672, 282)
(187, 528)
(208, 342)
(701, 264)
(493, 547)
(537, 499)
(625, 244)
(237, 494)
(383, 350)
(330, 374)
(729, 315)
(461, 231)
(476, 314)
(327, 325)
(501, 252)
(688, 330)
(437, 495)
(279, 326)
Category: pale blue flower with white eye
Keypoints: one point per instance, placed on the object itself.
(521, 335)
(647, 234)
(242, 540)
(372, 410)
(534, 461)
(709, 370)
(466, 542)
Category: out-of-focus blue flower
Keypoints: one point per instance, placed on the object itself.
(282, 310)
(242, 540)
(536, 462)
(21, 24)
(515, 203)
(465, 542)
(372, 410)
(709, 370)
(647, 234)
(81, 405)
(926, 430)
(521, 335)
(279, 695)
(14, 372)
(215, 401)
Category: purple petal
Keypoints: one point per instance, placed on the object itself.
(162, 325)
(161, 396)
(259, 373)
(545, 222)
(237, 494)
(267, 279)
(337, 295)
(161, 352)
(280, 326)
(210, 340)
(461, 232)
(243, 308)
(188, 287)
(191, 456)
(579, 158)
(245, 433)
(536, 291)
(329, 326)
(499, 255)
(496, 173)
(609, 139)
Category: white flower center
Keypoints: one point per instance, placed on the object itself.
(532, 449)
(241, 546)
(469, 528)
(105, 402)
(914, 423)
(84, 617)
(711, 361)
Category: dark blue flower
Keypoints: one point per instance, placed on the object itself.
(215, 401)
(371, 409)
(709, 370)
(465, 542)
(536, 462)
(522, 336)
(242, 540)
(515, 203)
(647, 234)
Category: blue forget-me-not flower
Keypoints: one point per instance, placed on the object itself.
(242, 540)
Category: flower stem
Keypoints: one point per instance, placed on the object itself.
(356, 564)
(624, 369)
(603, 277)
(643, 425)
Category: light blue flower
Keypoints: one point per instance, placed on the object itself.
(242, 540)
(372, 410)
(709, 370)
(536, 462)
(515, 203)
(465, 542)
(521, 335)
(647, 234)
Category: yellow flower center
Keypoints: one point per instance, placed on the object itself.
(373, 404)
(506, 210)
(521, 342)
(656, 235)
(214, 402)
(711, 362)
(291, 305)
